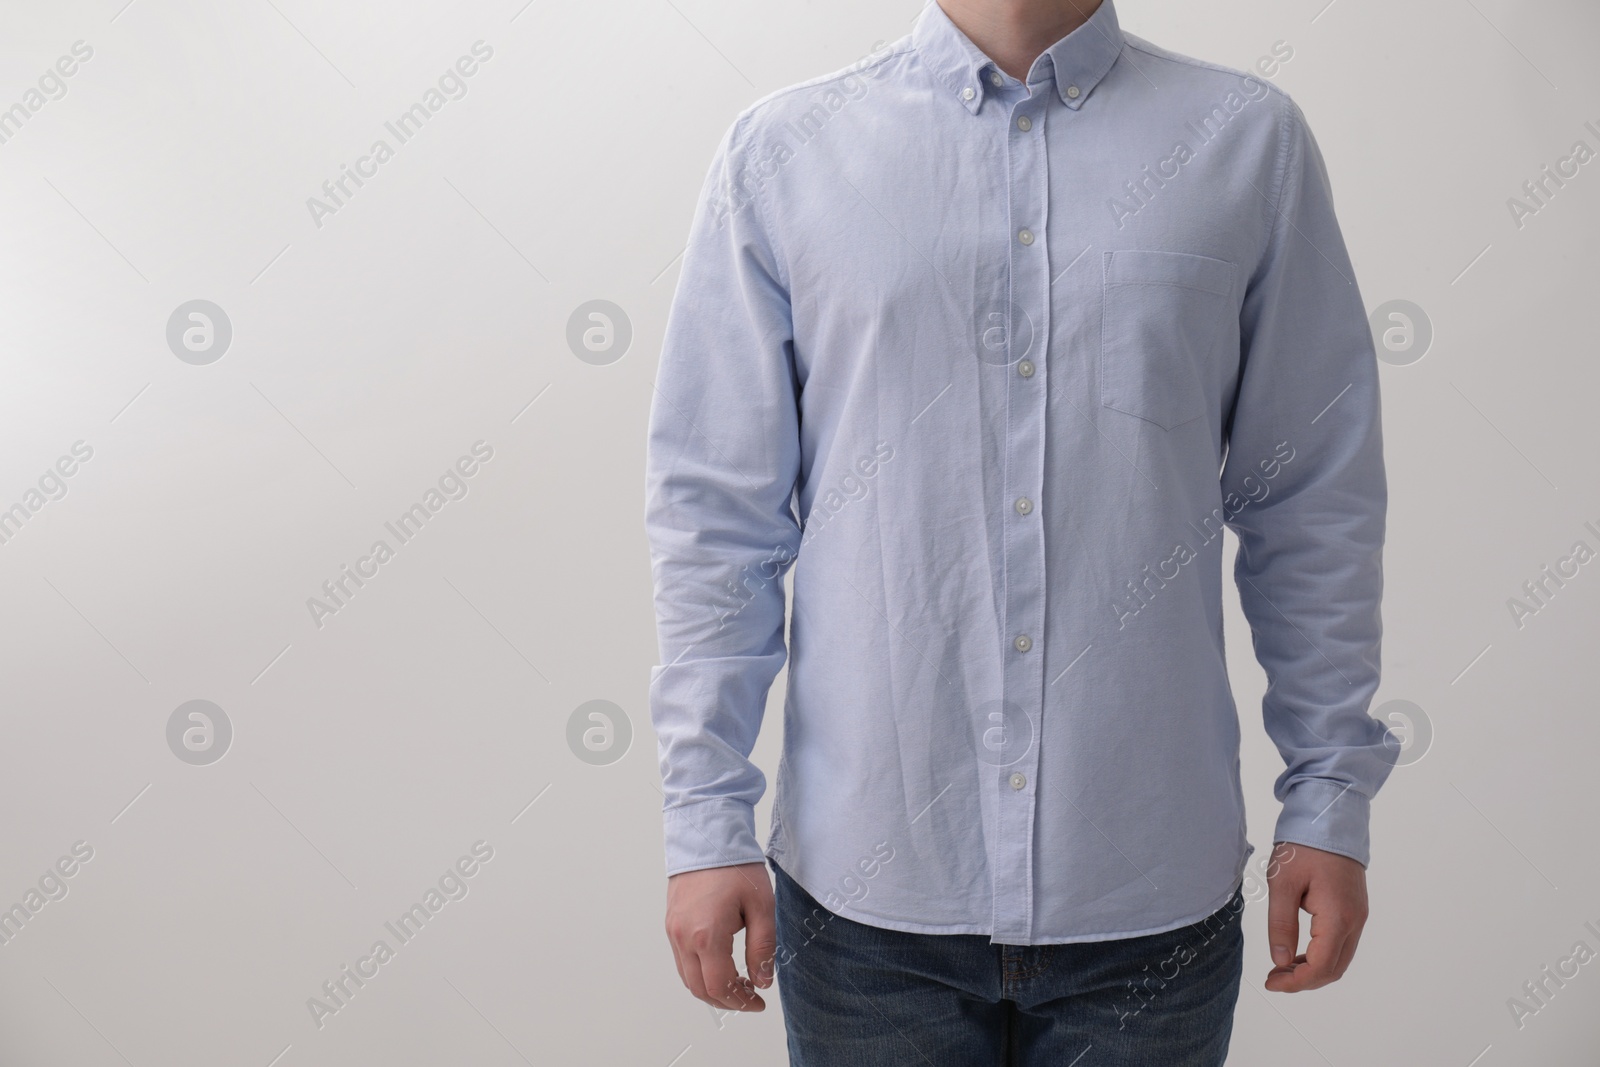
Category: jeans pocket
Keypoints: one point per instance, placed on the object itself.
(1163, 318)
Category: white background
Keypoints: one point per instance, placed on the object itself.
(431, 311)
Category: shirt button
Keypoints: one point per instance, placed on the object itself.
(994, 77)
(1025, 368)
(1024, 123)
(968, 93)
(1024, 506)
(1018, 780)
(1073, 92)
(1025, 236)
(1023, 642)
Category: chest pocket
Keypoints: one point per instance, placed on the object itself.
(1163, 314)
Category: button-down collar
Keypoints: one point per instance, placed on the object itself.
(835, 385)
(1078, 61)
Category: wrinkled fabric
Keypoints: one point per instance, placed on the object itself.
(987, 366)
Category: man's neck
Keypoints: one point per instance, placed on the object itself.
(1014, 33)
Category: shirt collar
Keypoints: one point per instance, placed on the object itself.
(1078, 61)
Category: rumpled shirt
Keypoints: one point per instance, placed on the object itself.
(986, 366)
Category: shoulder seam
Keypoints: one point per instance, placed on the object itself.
(739, 151)
(1178, 57)
(823, 79)
(741, 143)
(1290, 118)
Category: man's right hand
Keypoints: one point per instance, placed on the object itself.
(704, 910)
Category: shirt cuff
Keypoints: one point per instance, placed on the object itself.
(719, 832)
(1324, 814)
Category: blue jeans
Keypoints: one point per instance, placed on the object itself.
(861, 996)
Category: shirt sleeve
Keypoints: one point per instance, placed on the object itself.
(1305, 484)
(723, 460)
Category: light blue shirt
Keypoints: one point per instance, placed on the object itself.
(969, 354)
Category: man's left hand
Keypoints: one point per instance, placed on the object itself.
(1333, 888)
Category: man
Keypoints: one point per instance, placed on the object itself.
(965, 334)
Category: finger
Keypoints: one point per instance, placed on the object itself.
(1283, 917)
(1349, 952)
(693, 980)
(1283, 980)
(720, 978)
(688, 967)
(1317, 967)
(677, 961)
(760, 941)
(1329, 932)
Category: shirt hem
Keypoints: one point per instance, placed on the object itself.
(901, 926)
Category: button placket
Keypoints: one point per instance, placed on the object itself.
(1027, 172)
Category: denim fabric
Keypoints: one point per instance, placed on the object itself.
(855, 995)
